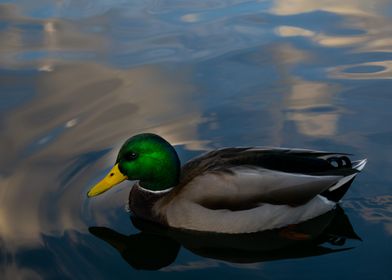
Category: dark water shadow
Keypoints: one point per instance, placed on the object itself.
(155, 247)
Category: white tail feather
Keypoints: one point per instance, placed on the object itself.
(341, 182)
(359, 164)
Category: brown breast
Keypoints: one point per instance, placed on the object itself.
(141, 203)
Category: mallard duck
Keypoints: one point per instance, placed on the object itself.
(229, 190)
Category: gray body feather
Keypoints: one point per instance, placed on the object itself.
(238, 190)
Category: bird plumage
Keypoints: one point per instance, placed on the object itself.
(229, 190)
(236, 190)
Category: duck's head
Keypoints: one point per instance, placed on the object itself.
(145, 157)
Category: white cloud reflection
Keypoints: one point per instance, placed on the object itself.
(307, 103)
(190, 18)
(363, 71)
(368, 22)
(89, 114)
(289, 31)
(376, 209)
(349, 7)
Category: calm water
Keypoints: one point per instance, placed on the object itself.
(79, 77)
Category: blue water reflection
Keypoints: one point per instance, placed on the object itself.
(79, 77)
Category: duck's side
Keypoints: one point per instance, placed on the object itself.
(239, 190)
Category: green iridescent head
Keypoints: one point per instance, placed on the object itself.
(145, 157)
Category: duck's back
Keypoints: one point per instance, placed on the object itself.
(302, 161)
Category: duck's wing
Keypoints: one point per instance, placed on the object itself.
(278, 176)
(301, 161)
(240, 188)
(245, 200)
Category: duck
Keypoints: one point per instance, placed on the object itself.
(231, 190)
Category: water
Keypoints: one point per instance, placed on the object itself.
(79, 77)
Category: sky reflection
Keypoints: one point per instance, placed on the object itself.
(79, 77)
(84, 119)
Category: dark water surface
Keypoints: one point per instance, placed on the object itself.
(79, 77)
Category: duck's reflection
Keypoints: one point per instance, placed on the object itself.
(156, 247)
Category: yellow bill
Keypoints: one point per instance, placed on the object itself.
(113, 178)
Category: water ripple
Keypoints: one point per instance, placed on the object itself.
(79, 77)
(363, 71)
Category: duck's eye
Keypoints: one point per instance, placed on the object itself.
(131, 156)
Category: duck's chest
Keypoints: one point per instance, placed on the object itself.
(141, 203)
